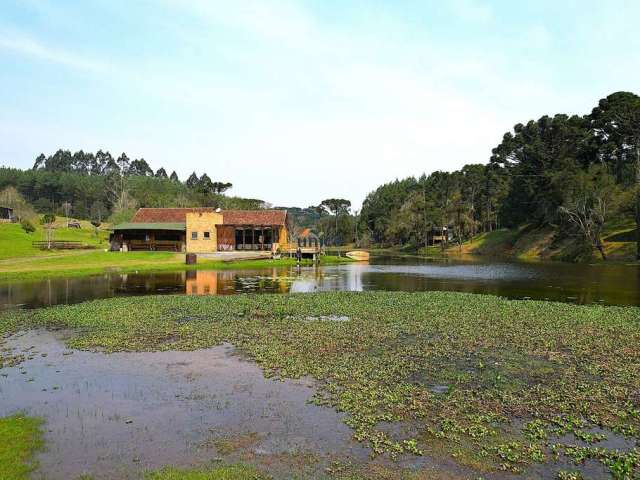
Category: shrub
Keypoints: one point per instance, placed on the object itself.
(27, 226)
(48, 218)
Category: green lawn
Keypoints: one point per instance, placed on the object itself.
(20, 438)
(20, 261)
(16, 243)
(488, 383)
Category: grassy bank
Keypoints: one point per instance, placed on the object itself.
(16, 243)
(490, 383)
(19, 260)
(531, 242)
(20, 438)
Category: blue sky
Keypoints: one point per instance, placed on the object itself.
(295, 102)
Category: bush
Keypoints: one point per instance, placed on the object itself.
(48, 218)
(27, 226)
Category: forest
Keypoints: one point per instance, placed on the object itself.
(99, 187)
(575, 173)
(572, 173)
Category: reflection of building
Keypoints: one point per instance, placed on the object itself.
(201, 283)
(202, 230)
(207, 282)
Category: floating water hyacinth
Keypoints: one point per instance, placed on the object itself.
(493, 384)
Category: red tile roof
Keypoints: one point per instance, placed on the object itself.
(229, 217)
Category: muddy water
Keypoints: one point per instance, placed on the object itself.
(115, 415)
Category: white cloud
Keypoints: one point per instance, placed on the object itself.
(292, 109)
(24, 45)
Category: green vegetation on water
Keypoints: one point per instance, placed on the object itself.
(492, 383)
(20, 438)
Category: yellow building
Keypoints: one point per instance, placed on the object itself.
(202, 230)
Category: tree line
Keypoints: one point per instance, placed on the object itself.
(572, 172)
(100, 186)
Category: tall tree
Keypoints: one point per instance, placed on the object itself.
(205, 185)
(615, 123)
(192, 181)
(123, 164)
(40, 161)
(589, 205)
(221, 187)
(140, 167)
(336, 206)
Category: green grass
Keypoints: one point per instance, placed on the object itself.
(16, 243)
(20, 438)
(529, 242)
(234, 472)
(491, 243)
(492, 383)
(20, 261)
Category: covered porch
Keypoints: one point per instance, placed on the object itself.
(247, 237)
(160, 237)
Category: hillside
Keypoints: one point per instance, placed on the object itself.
(529, 242)
(15, 242)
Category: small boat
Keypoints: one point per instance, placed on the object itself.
(358, 255)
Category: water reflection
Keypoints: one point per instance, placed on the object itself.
(608, 284)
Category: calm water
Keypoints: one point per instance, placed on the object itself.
(112, 421)
(606, 284)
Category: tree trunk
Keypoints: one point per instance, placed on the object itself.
(600, 248)
(336, 240)
(638, 200)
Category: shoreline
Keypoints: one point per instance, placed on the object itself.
(64, 266)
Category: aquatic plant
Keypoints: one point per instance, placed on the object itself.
(493, 383)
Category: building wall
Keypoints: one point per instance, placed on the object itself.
(201, 222)
(283, 236)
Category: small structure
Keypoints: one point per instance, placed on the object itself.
(202, 230)
(307, 242)
(307, 238)
(438, 235)
(6, 215)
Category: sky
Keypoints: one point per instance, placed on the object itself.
(297, 101)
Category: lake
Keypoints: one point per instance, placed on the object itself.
(610, 284)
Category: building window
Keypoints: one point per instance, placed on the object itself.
(194, 235)
(207, 236)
